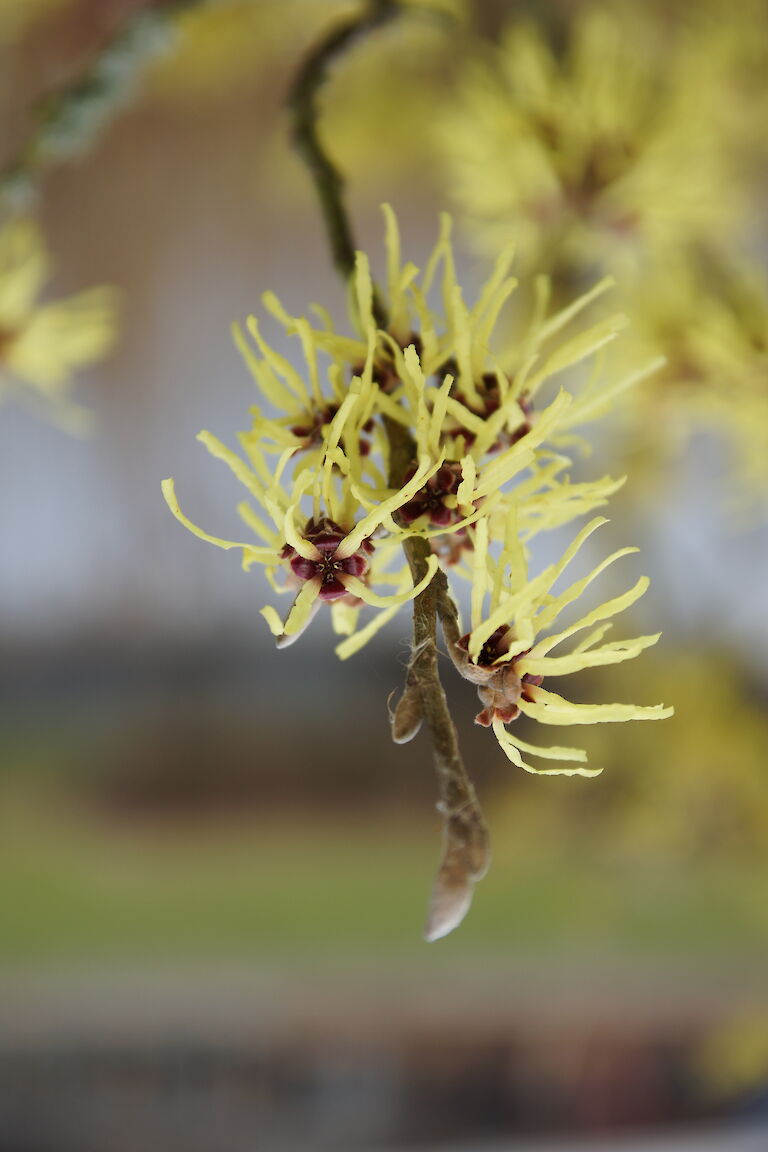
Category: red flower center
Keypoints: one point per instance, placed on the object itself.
(326, 536)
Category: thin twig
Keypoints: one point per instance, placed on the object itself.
(303, 102)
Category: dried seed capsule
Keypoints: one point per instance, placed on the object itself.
(407, 716)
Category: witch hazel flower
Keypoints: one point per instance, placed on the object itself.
(508, 658)
(43, 344)
(328, 563)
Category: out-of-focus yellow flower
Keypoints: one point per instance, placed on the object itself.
(732, 54)
(507, 652)
(42, 345)
(710, 323)
(595, 155)
(733, 1059)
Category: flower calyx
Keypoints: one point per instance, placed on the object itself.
(320, 561)
(437, 499)
(499, 686)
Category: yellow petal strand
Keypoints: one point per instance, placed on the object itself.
(234, 462)
(574, 591)
(310, 355)
(364, 292)
(520, 454)
(395, 285)
(495, 281)
(486, 326)
(465, 492)
(392, 410)
(614, 653)
(416, 378)
(603, 612)
(278, 363)
(360, 638)
(565, 315)
(577, 349)
(254, 522)
(538, 588)
(479, 572)
(357, 588)
(303, 609)
(466, 417)
(276, 308)
(256, 553)
(439, 406)
(549, 708)
(335, 433)
(297, 542)
(595, 403)
(273, 619)
(344, 617)
(512, 748)
(592, 638)
(442, 251)
(262, 373)
(462, 336)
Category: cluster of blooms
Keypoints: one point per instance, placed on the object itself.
(710, 321)
(489, 471)
(43, 344)
(633, 147)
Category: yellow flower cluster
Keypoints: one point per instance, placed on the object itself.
(487, 438)
(710, 322)
(43, 344)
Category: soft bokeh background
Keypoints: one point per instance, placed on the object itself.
(213, 863)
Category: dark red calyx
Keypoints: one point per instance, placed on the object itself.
(430, 500)
(326, 535)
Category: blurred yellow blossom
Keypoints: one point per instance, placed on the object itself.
(708, 319)
(594, 155)
(42, 345)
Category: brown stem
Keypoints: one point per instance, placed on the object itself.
(466, 847)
